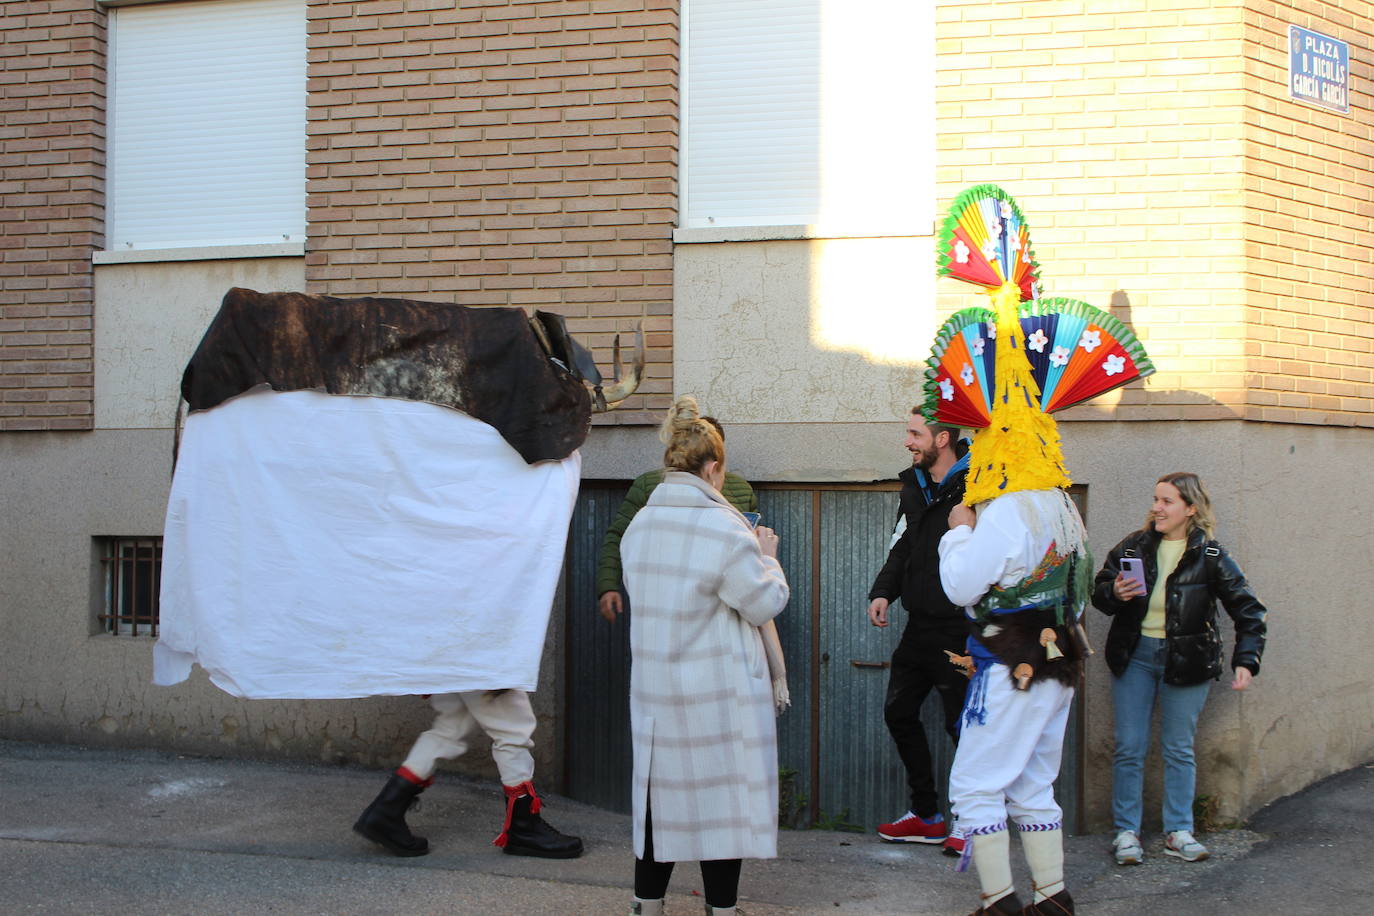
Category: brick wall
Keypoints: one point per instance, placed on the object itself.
(1309, 195)
(1120, 135)
(497, 153)
(52, 101)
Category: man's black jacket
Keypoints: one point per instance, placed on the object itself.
(912, 570)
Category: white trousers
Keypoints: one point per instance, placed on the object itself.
(1007, 766)
(506, 717)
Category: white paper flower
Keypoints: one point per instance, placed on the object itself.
(1035, 290)
(1037, 340)
(946, 389)
(1059, 357)
(1091, 340)
(990, 249)
(1016, 241)
(1114, 364)
(966, 374)
(995, 227)
(961, 252)
(1005, 209)
(978, 345)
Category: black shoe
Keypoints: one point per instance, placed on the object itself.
(384, 821)
(530, 835)
(1009, 905)
(1060, 904)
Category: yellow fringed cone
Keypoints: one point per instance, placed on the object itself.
(1020, 448)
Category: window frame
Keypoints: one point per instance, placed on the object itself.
(115, 593)
(134, 222)
(917, 220)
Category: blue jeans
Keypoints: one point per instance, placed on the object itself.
(1134, 695)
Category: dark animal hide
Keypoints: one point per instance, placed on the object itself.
(1016, 641)
(485, 362)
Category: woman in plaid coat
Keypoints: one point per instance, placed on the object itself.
(701, 582)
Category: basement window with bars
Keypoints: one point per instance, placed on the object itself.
(132, 578)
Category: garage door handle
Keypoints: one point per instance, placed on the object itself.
(862, 664)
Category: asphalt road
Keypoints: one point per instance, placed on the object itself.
(145, 832)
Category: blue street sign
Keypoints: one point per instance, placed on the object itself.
(1318, 69)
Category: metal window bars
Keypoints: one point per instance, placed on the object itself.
(133, 579)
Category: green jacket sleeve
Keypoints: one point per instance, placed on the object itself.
(742, 496)
(608, 564)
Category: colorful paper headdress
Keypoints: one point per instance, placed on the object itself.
(1004, 370)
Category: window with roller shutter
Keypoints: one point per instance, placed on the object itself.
(206, 124)
(809, 112)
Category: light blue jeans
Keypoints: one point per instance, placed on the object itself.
(1134, 695)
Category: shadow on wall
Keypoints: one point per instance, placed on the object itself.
(1165, 362)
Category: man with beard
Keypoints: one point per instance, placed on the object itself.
(931, 487)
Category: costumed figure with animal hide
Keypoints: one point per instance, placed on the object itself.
(372, 498)
(1015, 556)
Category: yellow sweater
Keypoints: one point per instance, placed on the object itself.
(1166, 561)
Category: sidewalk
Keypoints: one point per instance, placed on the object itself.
(102, 831)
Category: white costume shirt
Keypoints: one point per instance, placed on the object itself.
(1011, 538)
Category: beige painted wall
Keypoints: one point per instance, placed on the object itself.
(1309, 714)
(1293, 503)
(149, 319)
(805, 331)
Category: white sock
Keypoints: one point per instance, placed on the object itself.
(1044, 851)
(992, 858)
(642, 907)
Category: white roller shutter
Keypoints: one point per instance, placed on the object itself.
(753, 112)
(810, 112)
(207, 124)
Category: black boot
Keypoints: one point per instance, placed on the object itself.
(1009, 905)
(528, 834)
(1060, 904)
(384, 821)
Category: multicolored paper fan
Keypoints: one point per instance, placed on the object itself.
(1076, 352)
(985, 241)
(959, 378)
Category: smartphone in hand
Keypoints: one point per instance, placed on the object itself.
(752, 518)
(1134, 568)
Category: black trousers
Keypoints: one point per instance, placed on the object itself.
(919, 666)
(719, 877)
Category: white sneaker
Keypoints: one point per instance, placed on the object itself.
(1181, 845)
(1127, 848)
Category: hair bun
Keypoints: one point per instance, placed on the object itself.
(691, 439)
(681, 416)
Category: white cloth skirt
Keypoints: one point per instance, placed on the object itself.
(321, 546)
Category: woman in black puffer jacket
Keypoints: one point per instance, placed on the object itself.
(1163, 646)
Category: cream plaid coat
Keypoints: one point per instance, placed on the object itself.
(701, 702)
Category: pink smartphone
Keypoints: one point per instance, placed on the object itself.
(1134, 568)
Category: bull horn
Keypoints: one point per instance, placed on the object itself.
(542, 336)
(626, 384)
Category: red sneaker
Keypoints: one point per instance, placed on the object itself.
(953, 846)
(912, 828)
